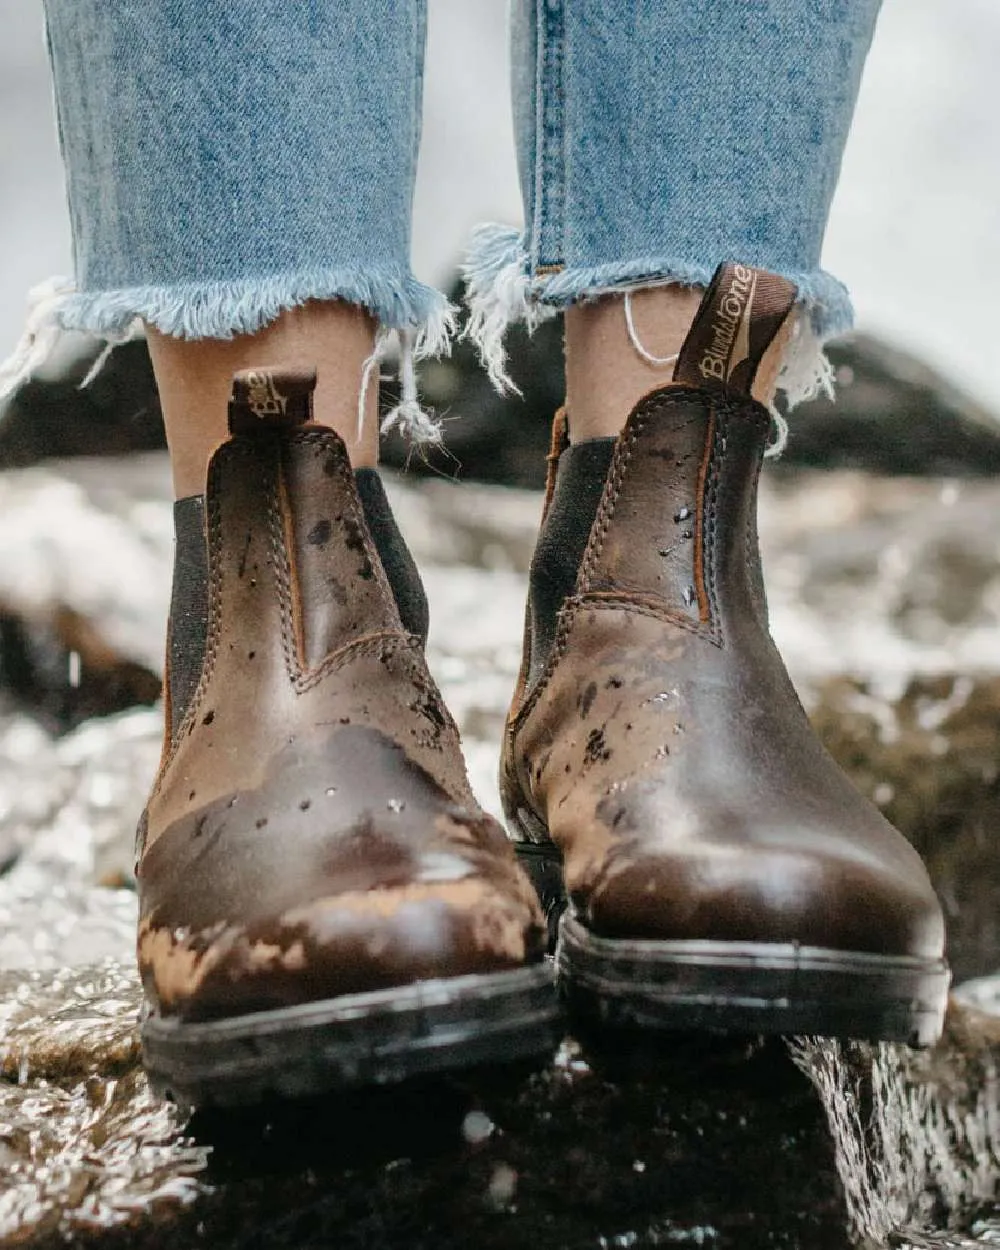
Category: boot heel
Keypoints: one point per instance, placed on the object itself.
(544, 867)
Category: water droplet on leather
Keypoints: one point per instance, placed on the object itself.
(395, 805)
(682, 514)
(331, 791)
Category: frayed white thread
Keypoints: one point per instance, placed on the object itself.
(779, 441)
(647, 356)
(496, 280)
(436, 332)
(806, 372)
(413, 421)
(372, 368)
(43, 330)
(41, 333)
(434, 338)
(135, 331)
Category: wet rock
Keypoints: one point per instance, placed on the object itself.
(634, 1148)
(616, 1144)
(915, 1133)
(84, 586)
(45, 926)
(53, 415)
(62, 667)
(882, 576)
(84, 1145)
(930, 759)
(893, 415)
(70, 806)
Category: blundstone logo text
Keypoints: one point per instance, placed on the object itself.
(263, 399)
(730, 327)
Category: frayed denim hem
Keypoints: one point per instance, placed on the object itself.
(220, 310)
(421, 318)
(500, 292)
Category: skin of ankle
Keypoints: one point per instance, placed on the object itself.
(605, 375)
(194, 378)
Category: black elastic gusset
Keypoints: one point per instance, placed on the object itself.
(188, 604)
(400, 569)
(580, 477)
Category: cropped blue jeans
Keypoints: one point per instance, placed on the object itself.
(227, 159)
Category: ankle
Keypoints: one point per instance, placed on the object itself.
(620, 348)
(194, 378)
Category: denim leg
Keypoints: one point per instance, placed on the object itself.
(657, 139)
(227, 159)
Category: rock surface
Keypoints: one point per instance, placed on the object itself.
(885, 596)
(719, 1144)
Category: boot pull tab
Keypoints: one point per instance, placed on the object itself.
(273, 399)
(737, 321)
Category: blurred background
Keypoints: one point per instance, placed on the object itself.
(915, 230)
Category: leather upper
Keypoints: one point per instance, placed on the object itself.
(661, 746)
(312, 831)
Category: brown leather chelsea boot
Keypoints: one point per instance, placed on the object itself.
(323, 902)
(658, 770)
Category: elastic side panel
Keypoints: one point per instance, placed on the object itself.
(579, 484)
(399, 565)
(188, 605)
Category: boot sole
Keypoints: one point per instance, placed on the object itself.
(752, 988)
(735, 987)
(375, 1038)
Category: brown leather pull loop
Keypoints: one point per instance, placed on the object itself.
(739, 317)
(268, 398)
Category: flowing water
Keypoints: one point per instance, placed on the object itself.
(917, 1141)
(88, 1153)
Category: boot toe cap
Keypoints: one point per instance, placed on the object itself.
(344, 944)
(738, 894)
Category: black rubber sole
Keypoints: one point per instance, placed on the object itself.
(377, 1038)
(752, 988)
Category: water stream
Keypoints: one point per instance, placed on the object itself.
(916, 1136)
(88, 1153)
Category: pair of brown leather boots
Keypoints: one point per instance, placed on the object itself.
(323, 902)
